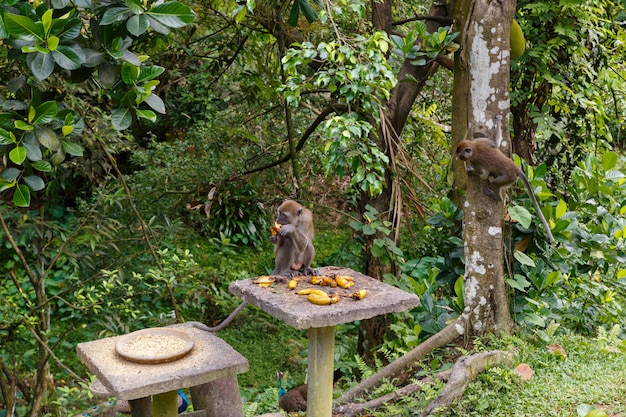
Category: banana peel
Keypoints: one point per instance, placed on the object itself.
(275, 229)
(292, 284)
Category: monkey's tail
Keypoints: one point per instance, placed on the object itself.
(223, 324)
(537, 208)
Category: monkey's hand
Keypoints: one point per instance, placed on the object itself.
(286, 229)
(274, 239)
(469, 169)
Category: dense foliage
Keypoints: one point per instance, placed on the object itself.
(114, 219)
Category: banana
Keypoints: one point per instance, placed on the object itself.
(264, 281)
(329, 282)
(308, 291)
(292, 284)
(275, 229)
(344, 281)
(317, 279)
(359, 295)
(320, 300)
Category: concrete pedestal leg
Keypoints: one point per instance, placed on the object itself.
(165, 404)
(321, 367)
(220, 398)
(141, 407)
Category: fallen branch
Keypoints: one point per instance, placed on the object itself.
(464, 371)
(402, 368)
(354, 409)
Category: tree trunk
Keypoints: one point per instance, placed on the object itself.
(397, 111)
(481, 92)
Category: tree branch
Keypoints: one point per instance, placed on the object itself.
(465, 371)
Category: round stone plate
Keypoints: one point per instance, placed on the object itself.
(155, 345)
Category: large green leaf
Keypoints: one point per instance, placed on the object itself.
(73, 148)
(293, 15)
(43, 166)
(34, 182)
(149, 73)
(146, 114)
(129, 73)
(5, 137)
(135, 6)
(115, 14)
(122, 118)
(47, 137)
(45, 113)
(21, 197)
(33, 150)
(155, 103)
(22, 27)
(137, 24)
(173, 14)
(17, 155)
(521, 215)
(41, 65)
(307, 11)
(68, 57)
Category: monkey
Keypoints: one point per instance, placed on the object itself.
(483, 157)
(293, 246)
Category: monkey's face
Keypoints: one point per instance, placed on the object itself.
(464, 152)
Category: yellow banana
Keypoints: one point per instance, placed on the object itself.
(292, 284)
(315, 280)
(320, 300)
(329, 282)
(359, 295)
(344, 281)
(264, 281)
(308, 291)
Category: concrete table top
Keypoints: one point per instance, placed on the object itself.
(320, 320)
(210, 359)
(295, 310)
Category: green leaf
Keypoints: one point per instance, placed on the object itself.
(155, 103)
(22, 27)
(524, 259)
(53, 43)
(11, 174)
(22, 125)
(47, 137)
(43, 166)
(146, 114)
(520, 282)
(134, 5)
(129, 73)
(561, 209)
(293, 15)
(18, 155)
(6, 138)
(172, 14)
(34, 182)
(521, 215)
(46, 20)
(115, 14)
(137, 24)
(150, 73)
(609, 160)
(41, 65)
(21, 197)
(45, 113)
(73, 148)
(68, 57)
(122, 118)
(307, 11)
(33, 151)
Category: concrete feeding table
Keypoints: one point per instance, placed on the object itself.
(210, 369)
(298, 312)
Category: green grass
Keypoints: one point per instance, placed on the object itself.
(588, 375)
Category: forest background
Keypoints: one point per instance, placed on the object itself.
(115, 218)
